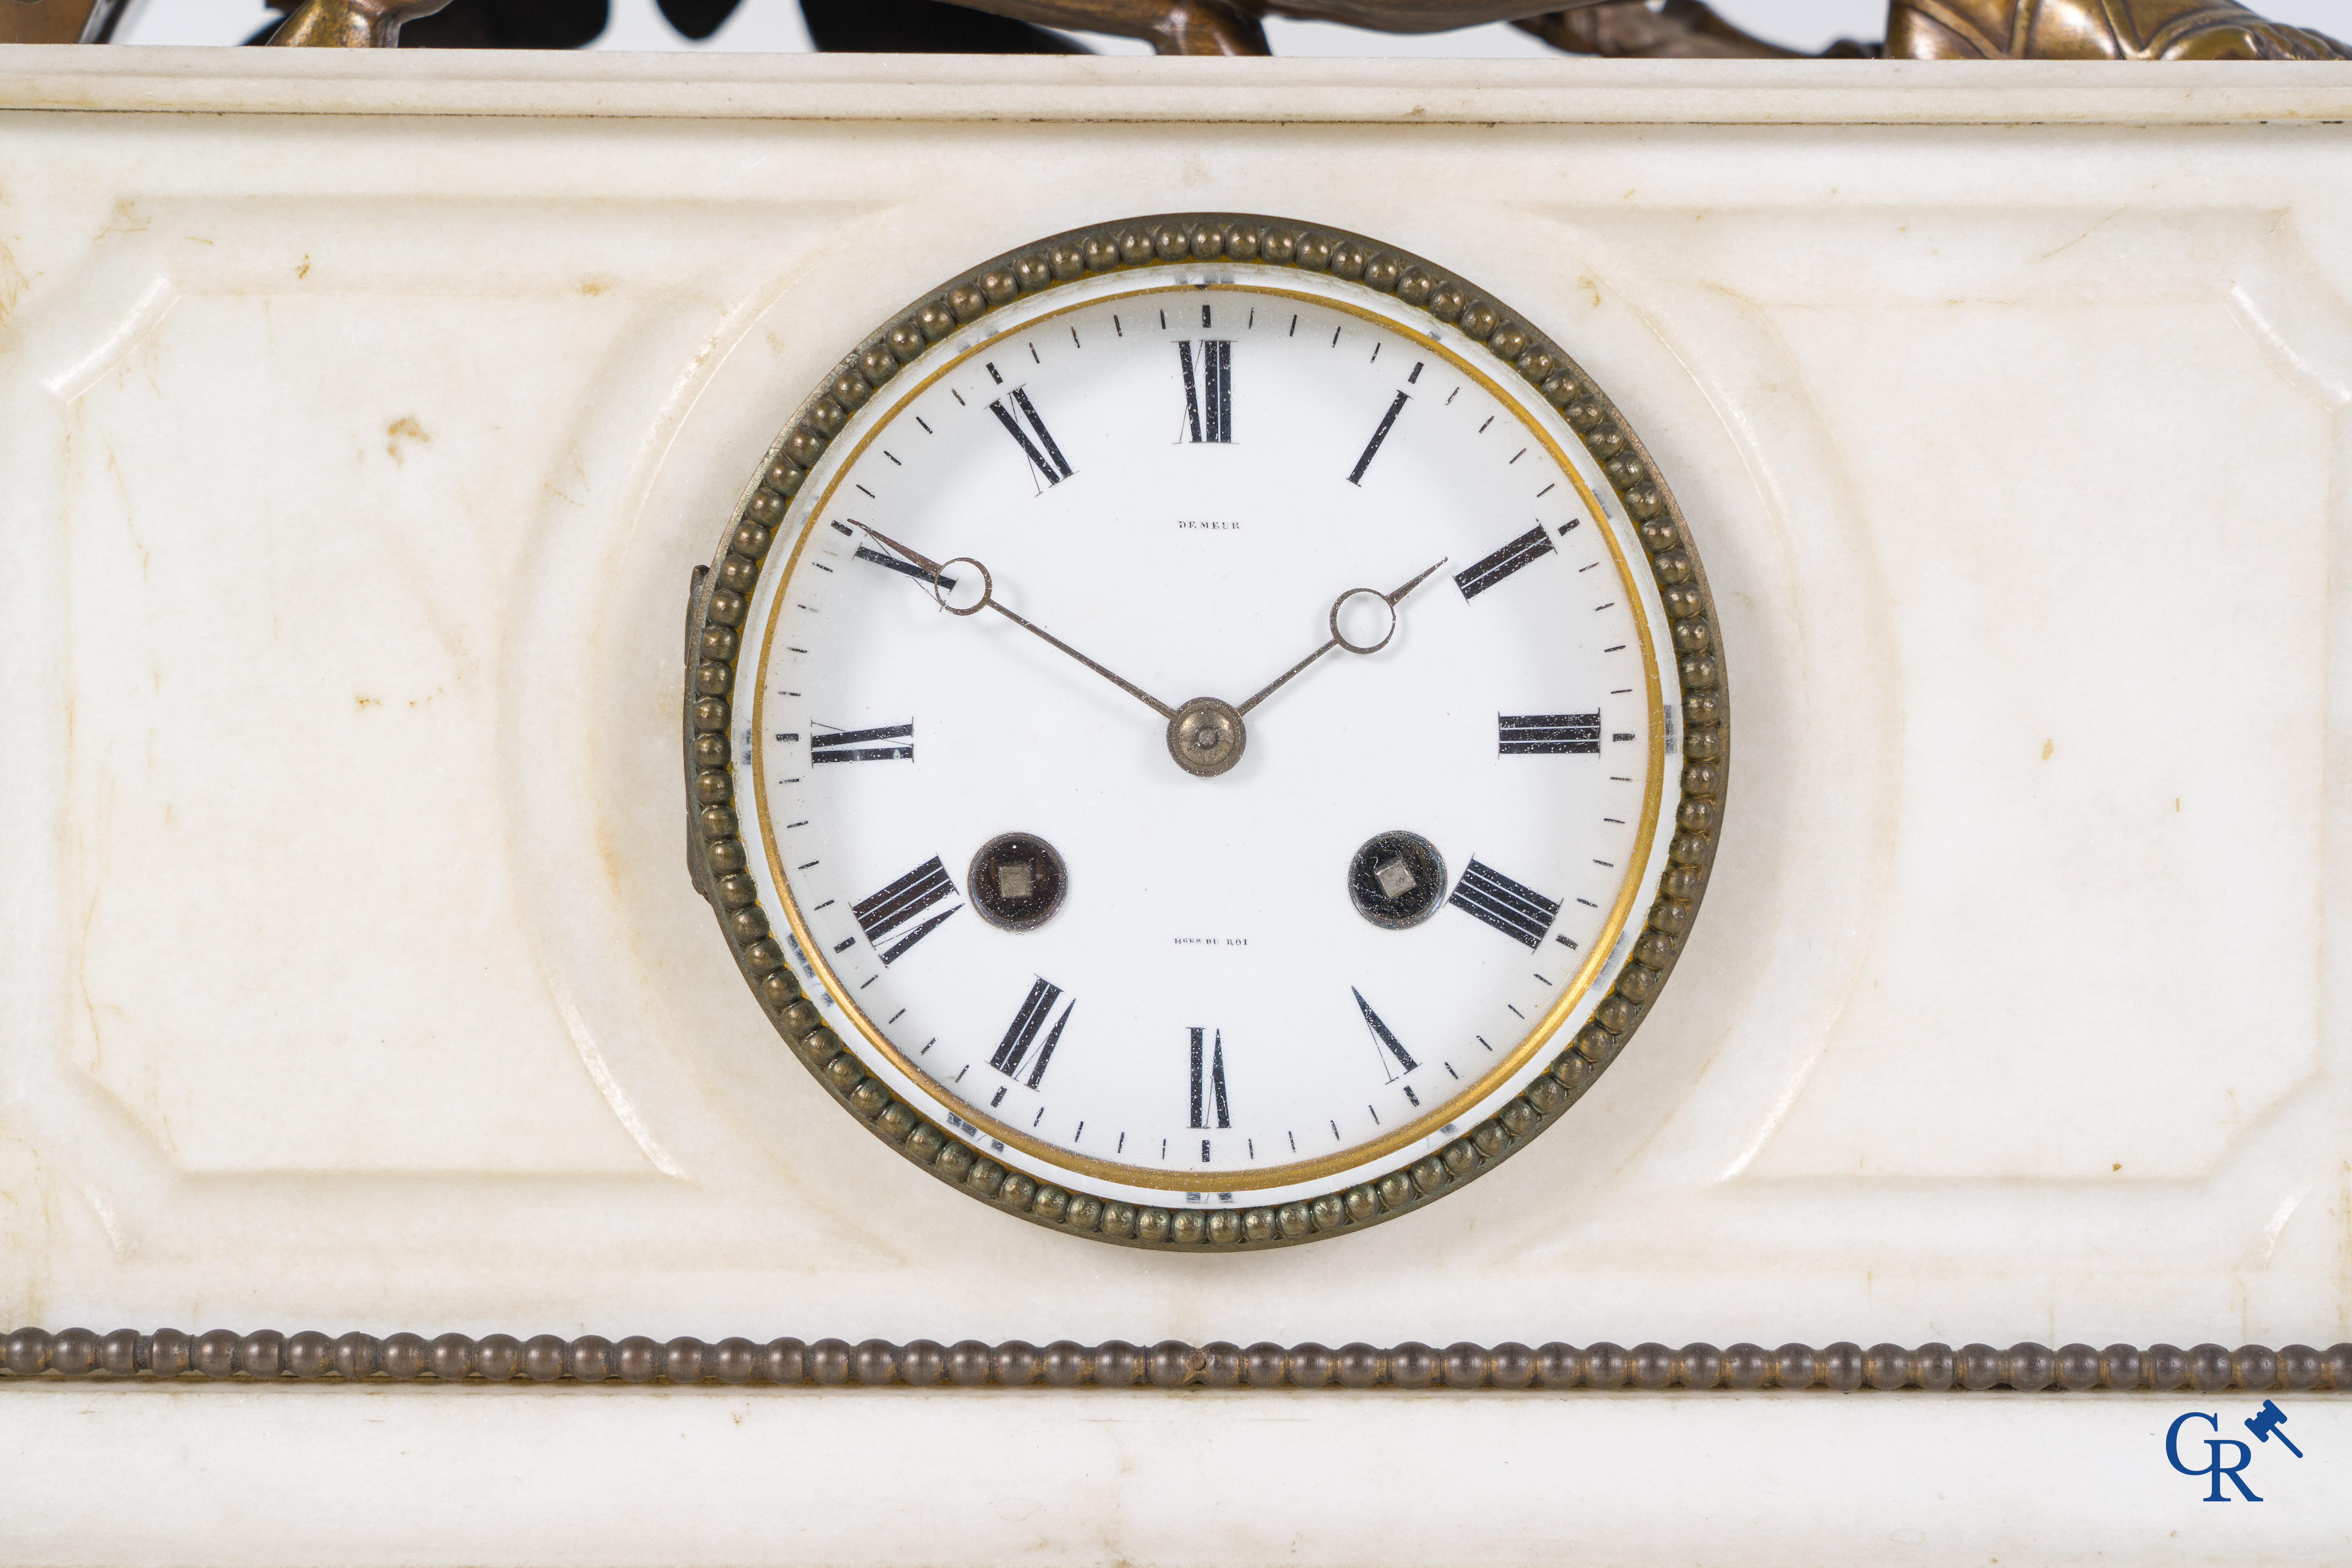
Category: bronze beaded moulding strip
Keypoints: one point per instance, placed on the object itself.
(1844, 1367)
(1137, 244)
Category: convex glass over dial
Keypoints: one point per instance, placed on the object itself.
(1208, 732)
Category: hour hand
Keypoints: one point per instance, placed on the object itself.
(1336, 641)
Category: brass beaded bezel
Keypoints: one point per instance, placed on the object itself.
(715, 852)
(453, 1360)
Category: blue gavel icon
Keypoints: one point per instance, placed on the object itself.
(2266, 1423)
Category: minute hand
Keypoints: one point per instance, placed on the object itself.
(1128, 687)
(989, 600)
(1335, 640)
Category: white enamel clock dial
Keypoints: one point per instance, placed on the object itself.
(1064, 855)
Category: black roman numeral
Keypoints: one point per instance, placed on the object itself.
(1209, 408)
(849, 745)
(1483, 574)
(867, 552)
(1025, 1025)
(1372, 448)
(1381, 1034)
(1055, 471)
(1518, 911)
(902, 901)
(1216, 1081)
(1538, 734)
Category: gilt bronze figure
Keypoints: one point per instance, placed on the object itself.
(1916, 29)
(1640, 29)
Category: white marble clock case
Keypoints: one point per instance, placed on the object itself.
(362, 417)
